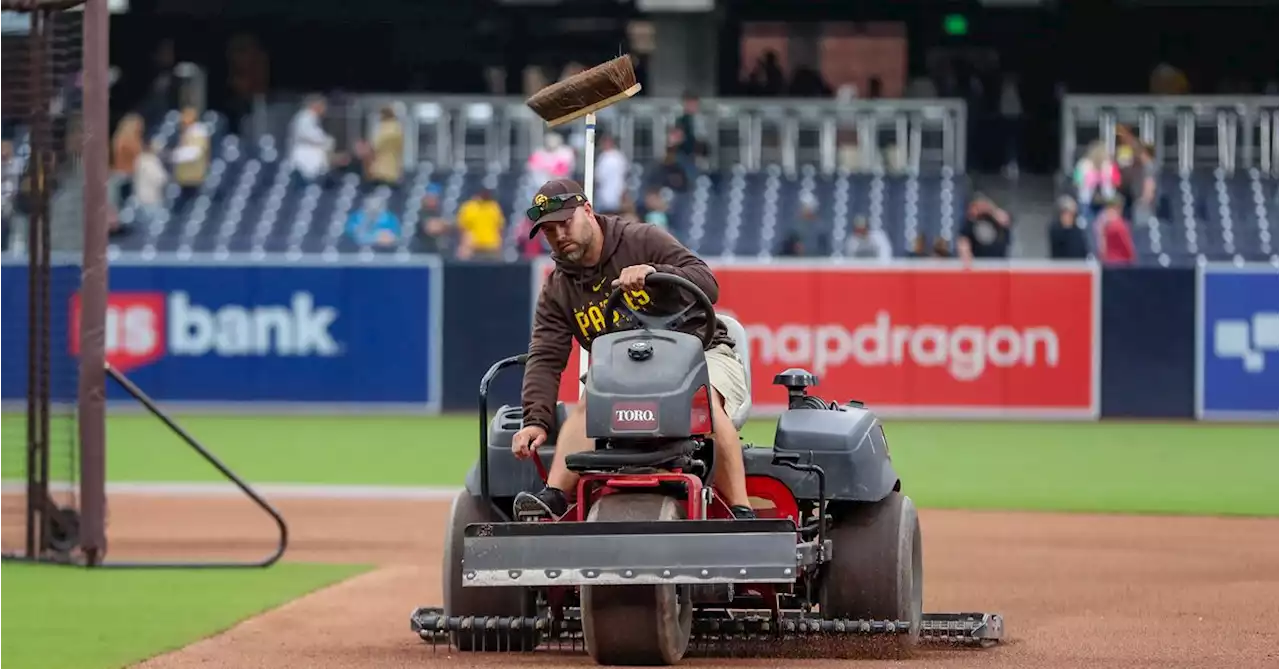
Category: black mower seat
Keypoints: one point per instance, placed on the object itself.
(676, 455)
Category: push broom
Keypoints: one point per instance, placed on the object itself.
(579, 96)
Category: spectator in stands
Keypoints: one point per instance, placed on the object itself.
(671, 174)
(384, 157)
(554, 160)
(434, 233)
(10, 173)
(481, 221)
(310, 147)
(531, 247)
(985, 232)
(611, 177)
(1136, 161)
(1168, 80)
(1067, 240)
(126, 144)
(149, 180)
(1115, 241)
(941, 248)
(687, 142)
(919, 247)
(374, 225)
(190, 159)
(792, 246)
(1096, 178)
(866, 243)
(1146, 201)
(655, 208)
(766, 78)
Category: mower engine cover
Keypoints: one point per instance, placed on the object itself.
(647, 384)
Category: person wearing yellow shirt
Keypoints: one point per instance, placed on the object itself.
(481, 220)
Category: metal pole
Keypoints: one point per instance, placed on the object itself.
(91, 394)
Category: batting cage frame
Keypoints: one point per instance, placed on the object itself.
(56, 533)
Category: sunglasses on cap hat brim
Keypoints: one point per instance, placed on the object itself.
(541, 213)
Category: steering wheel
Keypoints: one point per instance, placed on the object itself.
(701, 304)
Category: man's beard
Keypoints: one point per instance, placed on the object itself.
(573, 255)
(579, 249)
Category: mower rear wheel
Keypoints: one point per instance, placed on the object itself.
(636, 624)
(460, 601)
(877, 570)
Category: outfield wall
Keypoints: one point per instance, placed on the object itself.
(1009, 340)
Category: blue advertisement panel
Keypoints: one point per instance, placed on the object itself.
(63, 371)
(1237, 335)
(271, 333)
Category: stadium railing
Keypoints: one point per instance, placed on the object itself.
(501, 130)
(1188, 132)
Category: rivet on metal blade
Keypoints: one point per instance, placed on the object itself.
(471, 576)
(628, 573)
(553, 573)
(742, 572)
(591, 574)
(704, 572)
(666, 573)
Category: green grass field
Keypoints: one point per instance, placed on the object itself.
(57, 618)
(1183, 468)
(1110, 467)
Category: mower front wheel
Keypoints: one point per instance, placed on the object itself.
(877, 570)
(460, 601)
(636, 624)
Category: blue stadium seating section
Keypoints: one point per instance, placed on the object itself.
(1207, 213)
(250, 202)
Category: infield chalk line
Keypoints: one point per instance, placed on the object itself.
(268, 490)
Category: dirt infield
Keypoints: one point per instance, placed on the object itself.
(1076, 591)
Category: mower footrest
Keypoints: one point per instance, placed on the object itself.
(631, 553)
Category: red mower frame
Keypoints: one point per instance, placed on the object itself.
(592, 487)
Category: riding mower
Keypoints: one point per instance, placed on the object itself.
(648, 560)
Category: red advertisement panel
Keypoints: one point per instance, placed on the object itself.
(921, 340)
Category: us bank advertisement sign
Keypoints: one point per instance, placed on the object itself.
(252, 333)
(1237, 339)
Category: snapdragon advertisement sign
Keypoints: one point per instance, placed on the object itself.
(928, 340)
(271, 333)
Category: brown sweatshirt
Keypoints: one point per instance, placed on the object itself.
(571, 305)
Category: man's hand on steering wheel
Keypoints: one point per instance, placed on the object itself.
(632, 278)
(645, 276)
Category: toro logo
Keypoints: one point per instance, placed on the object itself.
(143, 327)
(635, 416)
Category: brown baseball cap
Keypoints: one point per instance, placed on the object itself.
(555, 202)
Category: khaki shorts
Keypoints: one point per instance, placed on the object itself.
(728, 376)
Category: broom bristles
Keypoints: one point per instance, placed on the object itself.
(586, 92)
